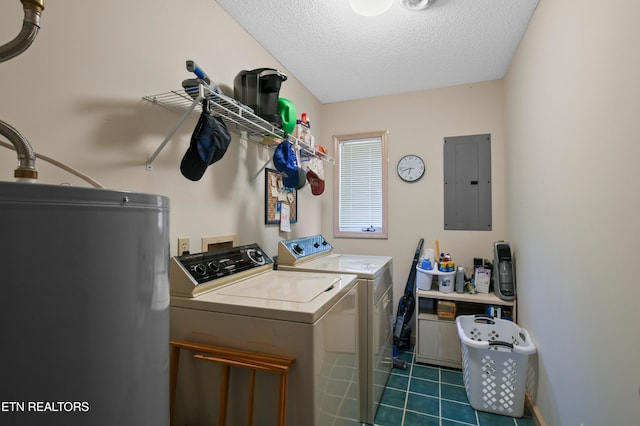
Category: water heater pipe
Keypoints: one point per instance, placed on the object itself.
(26, 156)
(30, 26)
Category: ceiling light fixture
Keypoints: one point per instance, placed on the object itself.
(370, 7)
(415, 4)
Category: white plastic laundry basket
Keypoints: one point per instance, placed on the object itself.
(495, 356)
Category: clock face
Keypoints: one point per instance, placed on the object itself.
(411, 168)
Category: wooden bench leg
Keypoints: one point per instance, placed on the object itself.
(282, 404)
(252, 387)
(224, 395)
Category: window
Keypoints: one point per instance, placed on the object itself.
(360, 193)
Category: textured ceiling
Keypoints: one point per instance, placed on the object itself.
(339, 55)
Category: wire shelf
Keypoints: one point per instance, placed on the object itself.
(236, 116)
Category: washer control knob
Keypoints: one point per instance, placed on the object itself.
(298, 249)
(214, 266)
(256, 256)
(200, 269)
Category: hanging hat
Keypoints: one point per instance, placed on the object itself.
(302, 173)
(284, 160)
(302, 178)
(315, 176)
(209, 142)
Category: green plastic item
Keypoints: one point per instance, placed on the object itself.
(287, 111)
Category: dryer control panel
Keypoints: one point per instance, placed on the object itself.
(193, 274)
(291, 252)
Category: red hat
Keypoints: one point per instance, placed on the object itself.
(315, 176)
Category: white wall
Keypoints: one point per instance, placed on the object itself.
(417, 123)
(76, 95)
(572, 148)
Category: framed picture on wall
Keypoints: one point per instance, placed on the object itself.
(275, 195)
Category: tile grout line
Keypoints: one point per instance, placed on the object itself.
(406, 395)
(440, 396)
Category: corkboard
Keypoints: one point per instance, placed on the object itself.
(274, 195)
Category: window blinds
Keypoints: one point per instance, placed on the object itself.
(360, 195)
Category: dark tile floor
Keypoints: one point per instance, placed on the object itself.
(425, 395)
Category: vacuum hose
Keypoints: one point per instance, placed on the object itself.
(30, 26)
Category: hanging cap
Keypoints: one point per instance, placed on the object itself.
(209, 142)
(302, 178)
(315, 176)
(284, 160)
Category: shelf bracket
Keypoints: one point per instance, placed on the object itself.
(166, 140)
(255, 176)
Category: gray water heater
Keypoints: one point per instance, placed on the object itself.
(84, 306)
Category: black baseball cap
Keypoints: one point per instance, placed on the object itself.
(209, 142)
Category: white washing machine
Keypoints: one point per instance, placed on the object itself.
(234, 298)
(375, 299)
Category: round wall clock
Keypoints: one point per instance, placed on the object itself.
(411, 168)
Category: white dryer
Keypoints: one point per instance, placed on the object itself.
(375, 299)
(233, 298)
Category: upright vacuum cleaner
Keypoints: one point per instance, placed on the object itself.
(406, 307)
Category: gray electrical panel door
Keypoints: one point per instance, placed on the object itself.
(467, 182)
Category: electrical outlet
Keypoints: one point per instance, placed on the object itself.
(184, 245)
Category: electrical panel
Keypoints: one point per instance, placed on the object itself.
(467, 183)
